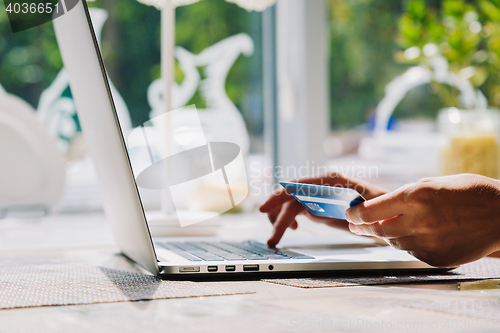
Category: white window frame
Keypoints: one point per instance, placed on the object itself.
(302, 67)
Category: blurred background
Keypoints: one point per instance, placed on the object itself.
(315, 93)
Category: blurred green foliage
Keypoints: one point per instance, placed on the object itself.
(363, 44)
(29, 60)
(467, 34)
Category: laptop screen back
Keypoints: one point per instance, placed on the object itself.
(103, 135)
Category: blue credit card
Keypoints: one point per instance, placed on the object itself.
(326, 201)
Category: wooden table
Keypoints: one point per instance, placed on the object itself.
(273, 308)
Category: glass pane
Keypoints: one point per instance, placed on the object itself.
(367, 53)
(130, 39)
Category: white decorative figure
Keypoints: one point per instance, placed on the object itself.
(181, 94)
(221, 120)
(398, 146)
(57, 112)
(32, 168)
(416, 76)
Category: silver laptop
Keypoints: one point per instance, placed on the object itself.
(122, 202)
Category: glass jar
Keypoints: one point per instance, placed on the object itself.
(469, 142)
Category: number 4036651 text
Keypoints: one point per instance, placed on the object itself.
(32, 8)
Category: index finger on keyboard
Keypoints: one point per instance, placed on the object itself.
(285, 219)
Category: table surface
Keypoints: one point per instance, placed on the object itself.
(273, 308)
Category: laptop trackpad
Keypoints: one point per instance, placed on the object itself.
(353, 252)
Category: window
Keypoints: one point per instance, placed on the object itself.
(129, 34)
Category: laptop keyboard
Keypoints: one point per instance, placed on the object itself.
(219, 251)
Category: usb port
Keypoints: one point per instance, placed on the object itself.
(189, 269)
(231, 268)
(250, 268)
(212, 268)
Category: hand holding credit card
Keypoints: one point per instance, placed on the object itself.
(325, 201)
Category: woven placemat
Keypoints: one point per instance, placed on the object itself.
(486, 268)
(28, 282)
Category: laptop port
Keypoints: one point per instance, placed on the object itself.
(230, 268)
(189, 269)
(250, 268)
(212, 268)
